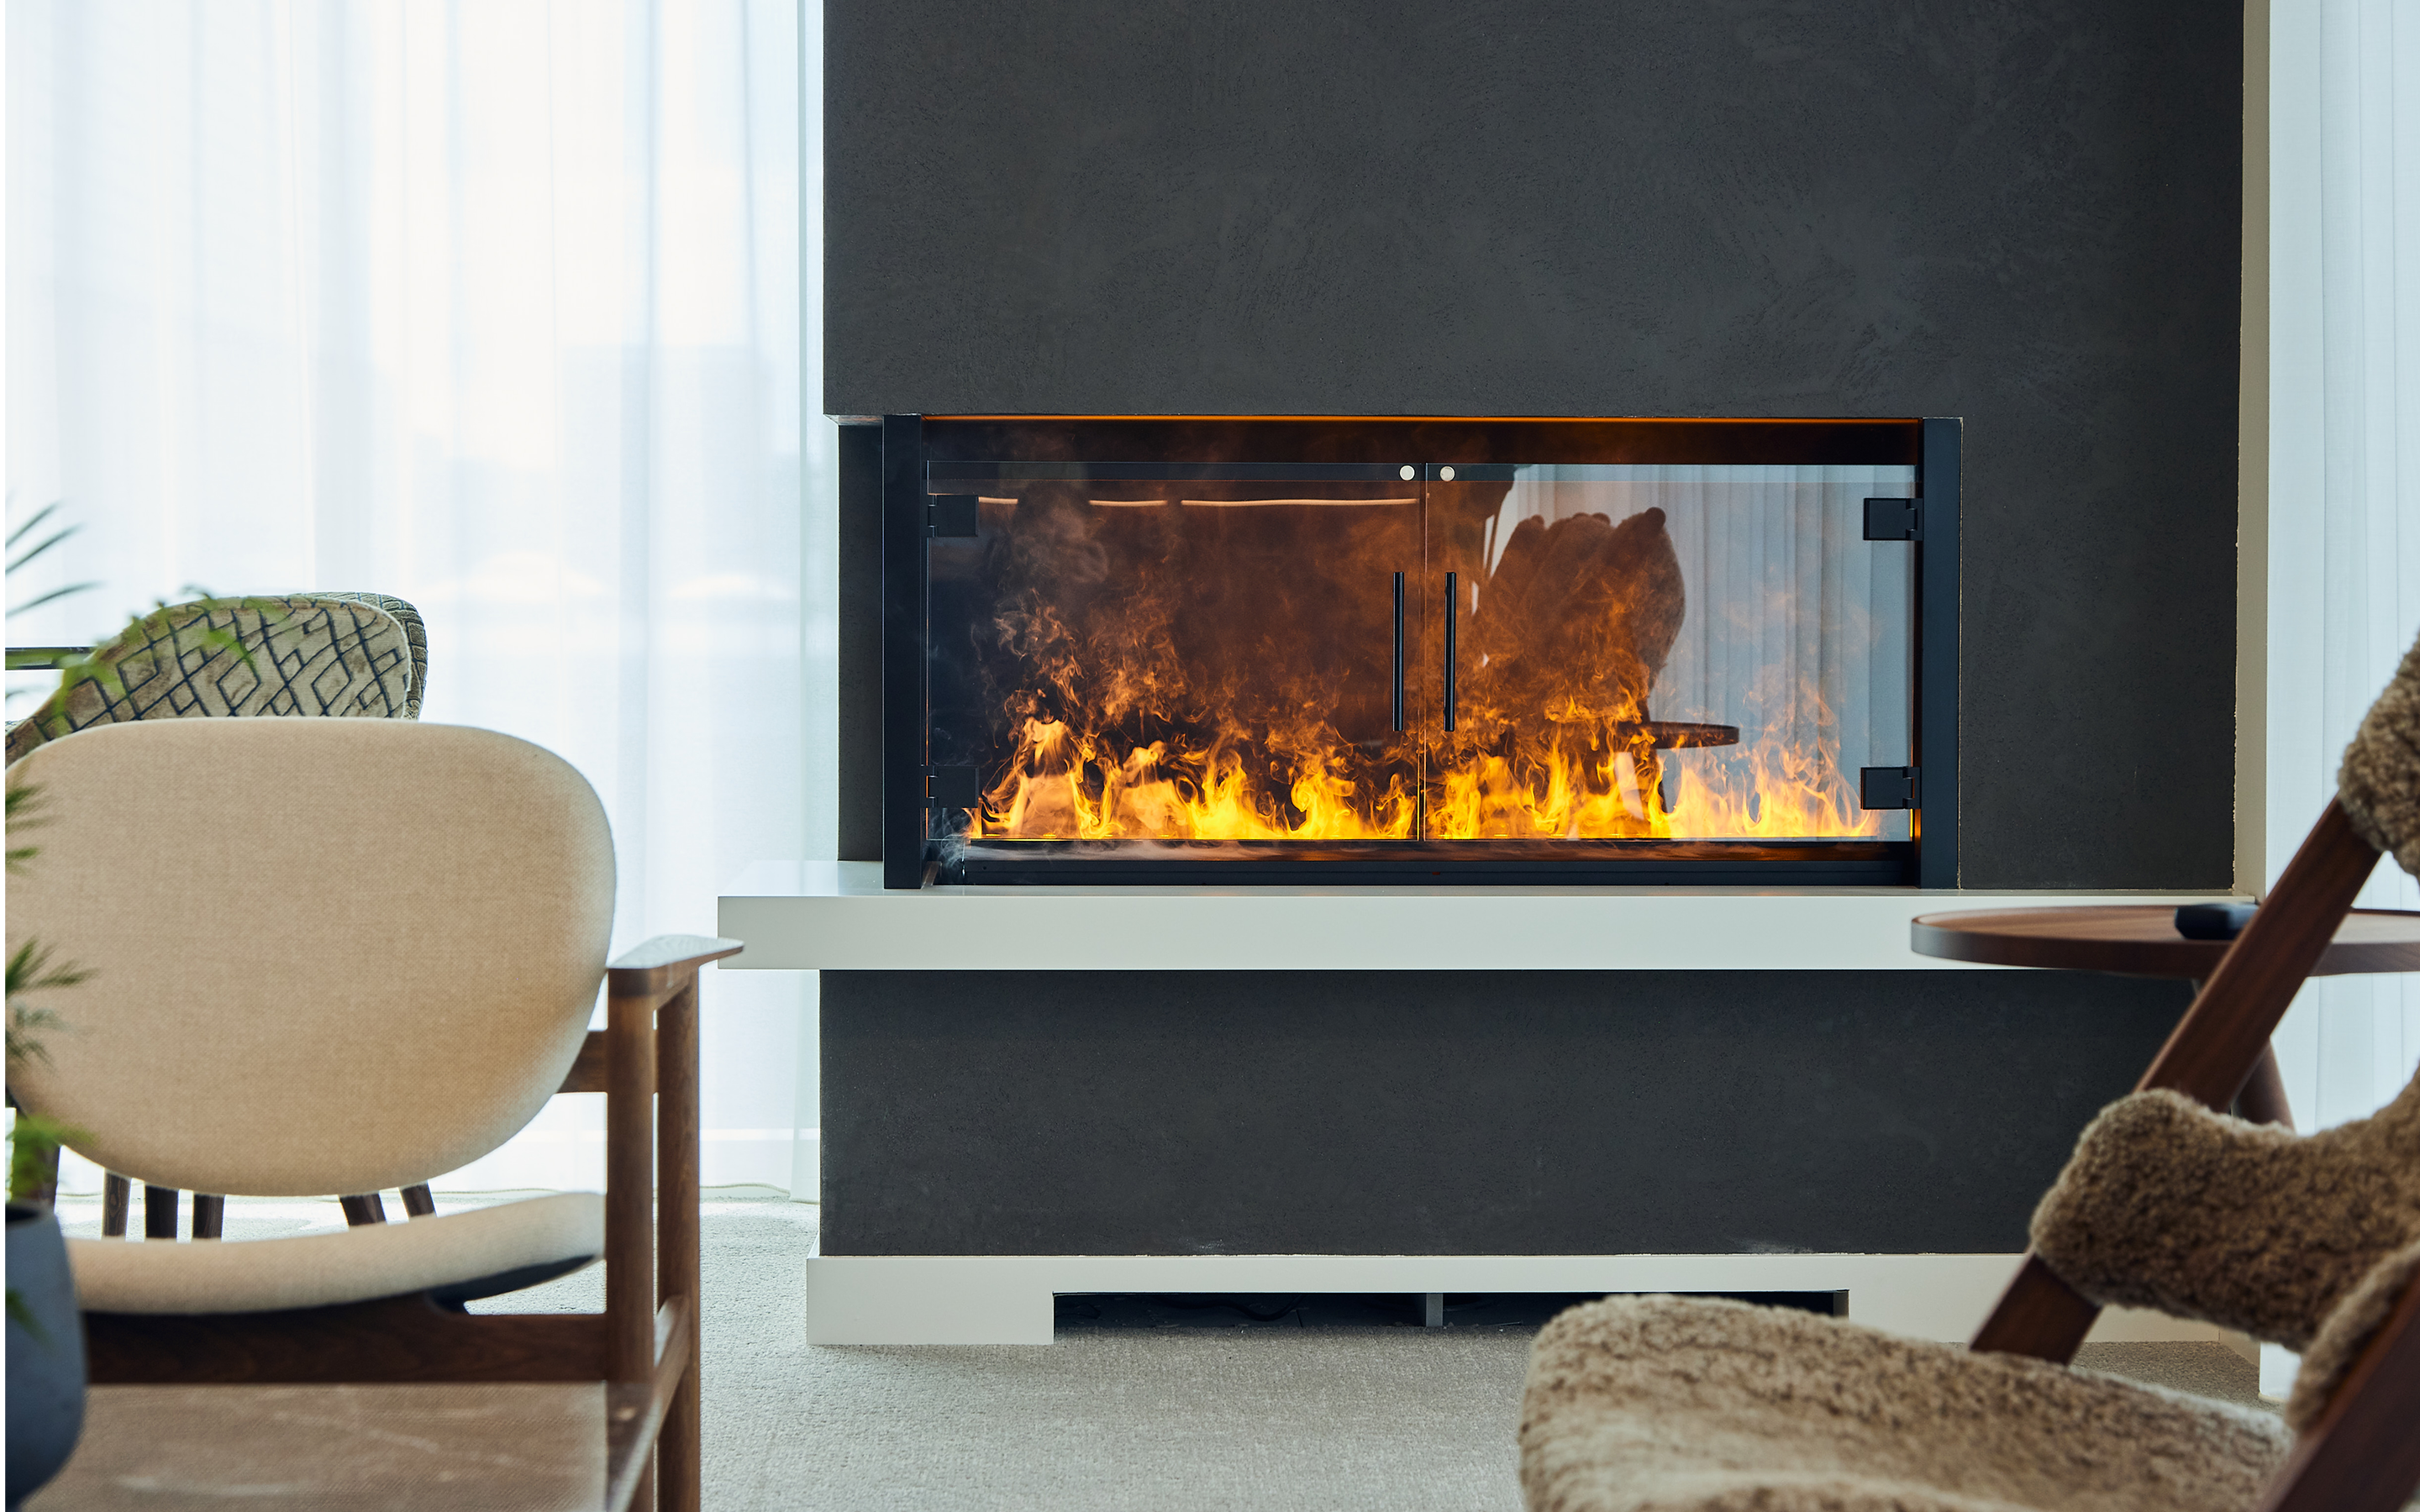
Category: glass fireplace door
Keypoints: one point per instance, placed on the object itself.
(1179, 652)
(1663, 653)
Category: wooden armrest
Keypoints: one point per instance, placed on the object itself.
(656, 968)
(664, 962)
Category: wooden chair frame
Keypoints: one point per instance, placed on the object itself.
(645, 1345)
(2363, 1455)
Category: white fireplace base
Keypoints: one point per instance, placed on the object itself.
(1006, 1299)
(836, 916)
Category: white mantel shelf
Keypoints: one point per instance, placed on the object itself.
(828, 915)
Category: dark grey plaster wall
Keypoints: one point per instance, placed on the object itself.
(2023, 213)
(1446, 1113)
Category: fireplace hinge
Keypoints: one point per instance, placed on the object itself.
(952, 514)
(1894, 520)
(952, 787)
(1890, 787)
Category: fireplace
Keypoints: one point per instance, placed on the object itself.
(1521, 651)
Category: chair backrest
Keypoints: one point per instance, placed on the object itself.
(325, 955)
(305, 655)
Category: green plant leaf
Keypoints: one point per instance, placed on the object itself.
(34, 524)
(24, 1317)
(34, 1144)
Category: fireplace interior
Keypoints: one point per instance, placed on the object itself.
(1522, 652)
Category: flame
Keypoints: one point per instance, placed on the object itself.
(1118, 734)
(1592, 785)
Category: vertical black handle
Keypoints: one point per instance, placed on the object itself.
(1452, 592)
(1398, 652)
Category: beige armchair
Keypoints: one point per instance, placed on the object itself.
(342, 955)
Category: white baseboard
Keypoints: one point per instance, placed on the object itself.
(1006, 1299)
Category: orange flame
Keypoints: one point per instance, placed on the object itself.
(1555, 739)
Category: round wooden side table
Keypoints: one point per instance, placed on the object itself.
(2144, 942)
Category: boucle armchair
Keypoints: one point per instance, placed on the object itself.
(342, 955)
(2312, 1243)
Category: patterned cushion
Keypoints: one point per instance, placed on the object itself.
(305, 655)
(414, 630)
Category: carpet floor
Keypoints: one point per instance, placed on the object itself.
(1205, 1408)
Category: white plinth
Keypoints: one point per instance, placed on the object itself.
(828, 915)
(1006, 1299)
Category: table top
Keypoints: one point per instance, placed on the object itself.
(2144, 942)
(426, 1448)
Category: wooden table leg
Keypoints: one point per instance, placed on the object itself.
(2263, 1097)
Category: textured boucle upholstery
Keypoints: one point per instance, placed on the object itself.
(2379, 783)
(333, 657)
(273, 1015)
(1635, 1403)
(115, 1275)
(2331, 1356)
(2171, 1205)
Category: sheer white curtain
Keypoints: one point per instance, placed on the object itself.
(492, 306)
(2345, 493)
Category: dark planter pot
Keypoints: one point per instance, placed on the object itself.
(45, 1360)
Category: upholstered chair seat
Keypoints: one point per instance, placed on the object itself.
(1670, 1402)
(459, 1257)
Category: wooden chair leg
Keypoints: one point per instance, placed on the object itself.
(209, 1216)
(679, 1485)
(418, 1203)
(630, 1201)
(159, 1212)
(117, 1195)
(366, 1209)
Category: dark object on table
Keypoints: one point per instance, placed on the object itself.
(2213, 921)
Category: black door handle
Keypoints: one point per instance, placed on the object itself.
(1399, 652)
(1452, 593)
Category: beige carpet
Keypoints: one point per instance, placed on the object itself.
(1218, 1413)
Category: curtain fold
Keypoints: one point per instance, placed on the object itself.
(495, 307)
(2342, 615)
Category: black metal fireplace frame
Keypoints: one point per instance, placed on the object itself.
(913, 856)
